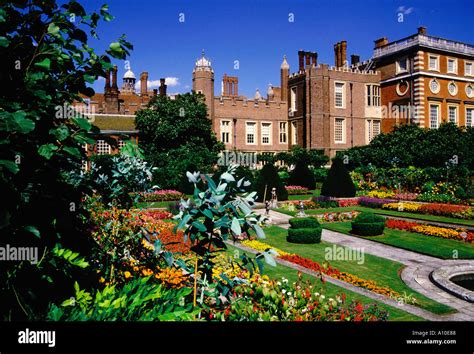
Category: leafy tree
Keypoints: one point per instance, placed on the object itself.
(268, 179)
(176, 136)
(47, 64)
(338, 183)
(313, 157)
(301, 175)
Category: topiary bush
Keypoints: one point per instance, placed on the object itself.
(268, 176)
(368, 224)
(304, 230)
(338, 183)
(302, 176)
(302, 223)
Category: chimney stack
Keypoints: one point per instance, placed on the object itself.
(422, 30)
(337, 54)
(381, 42)
(162, 87)
(343, 53)
(114, 78)
(155, 92)
(300, 60)
(314, 56)
(144, 83)
(307, 56)
(355, 59)
(107, 81)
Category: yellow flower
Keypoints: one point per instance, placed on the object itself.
(127, 274)
(101, 280)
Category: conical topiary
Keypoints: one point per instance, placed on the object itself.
(302, 176)
(338, 183)
(268, 176)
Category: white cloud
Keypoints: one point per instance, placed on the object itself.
(405, 10)
(169, 81)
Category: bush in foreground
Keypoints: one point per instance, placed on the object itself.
(368, 224)
(304, 230)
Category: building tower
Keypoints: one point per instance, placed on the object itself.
(203, 82)
(284, 73)
(128, 85)
(111, 93)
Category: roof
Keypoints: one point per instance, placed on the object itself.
(114, 122)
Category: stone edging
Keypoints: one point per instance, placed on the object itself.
(441, 277)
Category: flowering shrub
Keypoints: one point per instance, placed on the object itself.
(292, 190)
(374, 202)
(454, 234)
(162, 195)
(270, 300)
(261, 246)
(348, 202)
(293, 205)
(403, 206)
(339, 216)
(406, 196)
(443, 209)
(157, 214)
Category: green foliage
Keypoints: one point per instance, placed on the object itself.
(297, 154)
(301, 175)
(307, 235)
(409, 145)
(177, 136)
(114, 177)
(320, 174)
(368, 224)
(138, 300)
(338, 183)
(301, 223)
(218, 214)
(267, 179)
(47, 65)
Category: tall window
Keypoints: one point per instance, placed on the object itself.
(121, 144)
(402, 65)
(373, 129)
(339, 95)
(102, 147)
(293, 99)
(339, 130)
(469, 117)
(250, 132)
(434, 116)
(294, 133)
(433, 62)
(452, 66)
(226, 131)
(282, 132)
(373, 95)
(453, 114)
(266, 133)
(468, 70)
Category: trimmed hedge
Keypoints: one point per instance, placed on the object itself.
(368, 224)
(304, 235)
(304, 223)
(338, 183)
(302, 176)
(268, 176)
(304, 230)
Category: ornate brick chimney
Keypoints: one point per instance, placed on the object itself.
(144, 83)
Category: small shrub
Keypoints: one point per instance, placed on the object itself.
(368, 224)
(302, 223)
(304, 235)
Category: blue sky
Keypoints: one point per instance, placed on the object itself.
(258, 33)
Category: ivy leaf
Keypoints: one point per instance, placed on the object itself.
(73, 151)
(116, 49)
(10, 166)
(44, 64)
(53, 29)
(33, 230)
(89, 78)
(4, 42)
(24, 125)
(82, 123)
(47, 150)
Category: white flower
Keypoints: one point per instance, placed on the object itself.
(316, 294)
(279, 283)
(289, 293)
(322, 297)
(283, 291)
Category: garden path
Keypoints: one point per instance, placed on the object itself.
(416, 273)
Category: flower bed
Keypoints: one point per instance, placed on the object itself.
(293, 190)
(325, 269)
(443, 232)
(339, 216)
(403, 206)
(348, 202)
(450, 210)
(374, 202)
(293, 205)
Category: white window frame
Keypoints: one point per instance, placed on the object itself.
(370, 134)
(465, 68)
(226, 129)
(294, 133)
(466, 123)
(456, 116)
(343, 94)
(439, 86)
(293, 95)
(270, 126)
(283, 132)
(255, 135)
(438, 107)
(399, 69)
(102, 148)
(472, 92)
(456, 88)
(437, 62)
(343, 132)
(455, 66)
(372, 95)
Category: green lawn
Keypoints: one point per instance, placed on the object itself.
(331, 290)
(383, 271)
(432, 246)
(145, 205)
(424, 217)
(315, 192)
